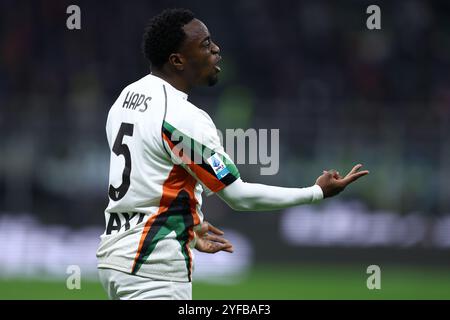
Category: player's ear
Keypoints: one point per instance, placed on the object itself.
(177, 61)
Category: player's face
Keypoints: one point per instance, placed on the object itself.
(201, 55)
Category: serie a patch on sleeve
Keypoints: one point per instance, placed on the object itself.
(219, 167)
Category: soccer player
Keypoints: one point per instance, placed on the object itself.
(164, 153)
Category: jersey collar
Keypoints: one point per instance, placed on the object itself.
(177, 92)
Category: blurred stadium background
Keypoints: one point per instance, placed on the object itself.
(339, 94)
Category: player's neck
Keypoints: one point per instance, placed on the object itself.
(177, 82)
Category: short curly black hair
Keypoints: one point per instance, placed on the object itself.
(164, 35)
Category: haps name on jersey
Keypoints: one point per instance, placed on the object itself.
(134, 101)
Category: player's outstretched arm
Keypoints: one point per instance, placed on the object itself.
(211, 242)
(242, 196)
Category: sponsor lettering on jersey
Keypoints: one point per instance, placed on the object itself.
(120, 222)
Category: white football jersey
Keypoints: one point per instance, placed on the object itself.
(164, 152)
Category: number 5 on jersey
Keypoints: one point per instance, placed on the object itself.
(119, 148)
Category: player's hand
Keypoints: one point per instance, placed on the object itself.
(211, 242)
(332, 183)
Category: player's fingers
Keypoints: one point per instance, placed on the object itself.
(336, 175)
(327, 174)
(212, 237)
(354, 169)
(216, 247)
(229, 249)
(355, 176)
(215, 230)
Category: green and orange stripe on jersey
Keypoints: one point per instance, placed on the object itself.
(177, 212)
(191, 150)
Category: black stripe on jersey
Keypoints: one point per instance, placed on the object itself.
(228, 179)
(164, 119)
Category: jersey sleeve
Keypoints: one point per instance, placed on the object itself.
(193, 142)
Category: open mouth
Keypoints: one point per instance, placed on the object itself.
(216, 66)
